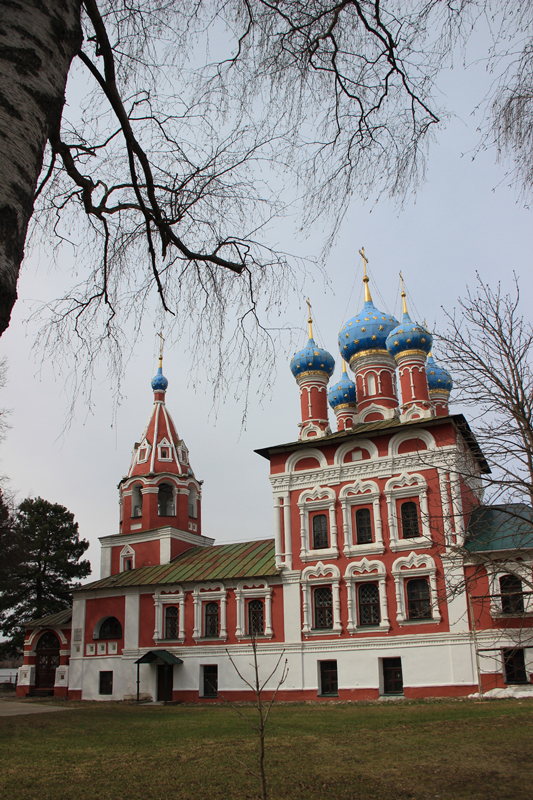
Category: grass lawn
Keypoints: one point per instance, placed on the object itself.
(447, 750)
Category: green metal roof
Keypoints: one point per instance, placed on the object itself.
(164, 655)
(501, 527)
(220, 562)
(59, 618)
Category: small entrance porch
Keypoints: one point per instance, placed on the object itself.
(165, 663)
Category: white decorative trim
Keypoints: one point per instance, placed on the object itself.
(413, 433)
(444, 479)
(310, 431)
(170, 596)
(144, 445)
(354, 494)
(415, 566)
(299, 455)
(127, 552)
(165, 443)
(323, 575)
(363, 444)
(61, 678)
(248, 590)
(366, 572)
(406, 485)
(90, 649)
(206, 593)
(37, 633)
(321, 498)
(373, 408)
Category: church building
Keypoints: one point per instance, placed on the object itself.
(365, 587)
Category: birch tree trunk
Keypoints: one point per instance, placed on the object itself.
(38, 39)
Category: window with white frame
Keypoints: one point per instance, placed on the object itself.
(408, 490)
(164, 449)
(248, 596)
(367, 596)
(319, 499)
(509, 590)
(320, 532)
(209, 601)
(127, 558)
(137, 500)
(143, 452)
(412, 601)
(321, 599)
(169, 614)
(361, 518)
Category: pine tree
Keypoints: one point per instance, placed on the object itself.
(43, 566)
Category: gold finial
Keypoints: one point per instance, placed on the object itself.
(343, 366)
(368, 296)
(161, 350)
(403, 295)
(310, 320)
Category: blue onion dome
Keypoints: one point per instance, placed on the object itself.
(343, 393)
(312, 359)
(407, 336)
(159, 383)
(368, 330)
(439, 379)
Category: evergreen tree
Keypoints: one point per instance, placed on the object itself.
(44, 551)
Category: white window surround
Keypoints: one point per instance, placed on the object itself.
(356, 494)
(147, 448)
(207, 593)
(247, 590)
(320, 575)
(127, 552)
(366, 572)
(173, 596)
(294, 458)
(362, 444)
(165, 444)
(183, 453)
(407, 486)
(519, 570)
(414, 433)
(36, 635)
(415, 566)
(321, 498)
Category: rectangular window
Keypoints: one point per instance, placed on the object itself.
(323, 607)
(328, 678)
(320, 532)
(515, 666)
(418, 599)
(363, 526)
(256, 618)
(211, 619)
(106, 683)
(210, 680)
(392, 676)
(410, 524)
(511, 595)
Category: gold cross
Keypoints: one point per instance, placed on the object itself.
(161, 349)
(310, 320)
(365, 276)
(365, 259)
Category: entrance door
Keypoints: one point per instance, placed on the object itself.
(162, 671)
(392, 676)
(47, 661)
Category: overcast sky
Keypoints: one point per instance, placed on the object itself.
(465, 219)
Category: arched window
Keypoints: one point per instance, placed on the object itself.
(110, 629)
(371, 384)
(418, 599)
(136, 501)
(323, 607)
(363, 526)
(171, 622)
(320, 532)
(193, 502)
(165, 500)
(48, 641)
(511, 594)
(256, 618)
(410, 526)
(211, 619)
(369, 609)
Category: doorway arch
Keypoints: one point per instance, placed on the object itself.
(47, 660)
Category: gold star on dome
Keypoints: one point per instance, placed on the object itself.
(363, 329)
(422, 339)
(381, 327)
(347, 335)
(356, 341)
(366, 319)
(374, 336)
(401, 330)
(374, 317)
(345, 346)
(322, 365)
(432, 372)
(408, 341)
(396, 343)
(317, 353)
(350, 323)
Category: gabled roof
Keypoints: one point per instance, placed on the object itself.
(501, 527)
(59, 618)
(383, 426)
(221, 562)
